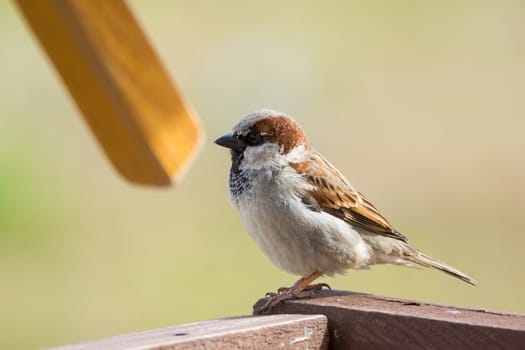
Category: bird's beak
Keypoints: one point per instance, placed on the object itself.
(230, 141)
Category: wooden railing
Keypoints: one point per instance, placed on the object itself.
(337, 320)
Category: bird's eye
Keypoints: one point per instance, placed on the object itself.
(253, 138)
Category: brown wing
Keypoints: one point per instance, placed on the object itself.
(334, 195)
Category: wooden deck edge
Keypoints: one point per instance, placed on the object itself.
(336, 320)
(362, 321)
(261, 332)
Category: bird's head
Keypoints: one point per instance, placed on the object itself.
(264, 138)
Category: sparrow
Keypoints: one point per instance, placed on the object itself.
(303, 213)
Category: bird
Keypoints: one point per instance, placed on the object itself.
(303, 213)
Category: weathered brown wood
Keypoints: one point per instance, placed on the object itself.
(263, 332)
(361, 321)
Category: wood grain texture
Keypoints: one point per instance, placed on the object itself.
(263, 332)
(126, 96)
(361, 321)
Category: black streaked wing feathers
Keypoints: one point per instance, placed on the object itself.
(334, 195)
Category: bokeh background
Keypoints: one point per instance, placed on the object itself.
(420, 104)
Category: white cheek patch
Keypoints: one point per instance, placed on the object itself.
(262, 156)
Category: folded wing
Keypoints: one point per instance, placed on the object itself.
(333, 194)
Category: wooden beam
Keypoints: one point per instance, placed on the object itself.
(265, 332)
(137, 114)
(361, 321)
(337, 320)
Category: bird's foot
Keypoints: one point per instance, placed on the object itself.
(273, 299)
(310, 287)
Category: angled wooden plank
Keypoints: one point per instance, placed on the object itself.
(361, 321)
(137, 114)
(264, 332)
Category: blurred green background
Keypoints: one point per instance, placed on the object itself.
(420, 104)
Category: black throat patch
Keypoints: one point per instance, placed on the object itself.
(238, 180)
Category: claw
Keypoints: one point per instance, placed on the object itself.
(274, 299)
(282, 290)
(300, 290)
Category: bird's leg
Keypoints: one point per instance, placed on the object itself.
(300, 289)
(303, 284)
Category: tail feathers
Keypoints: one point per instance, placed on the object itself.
(427, 261)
